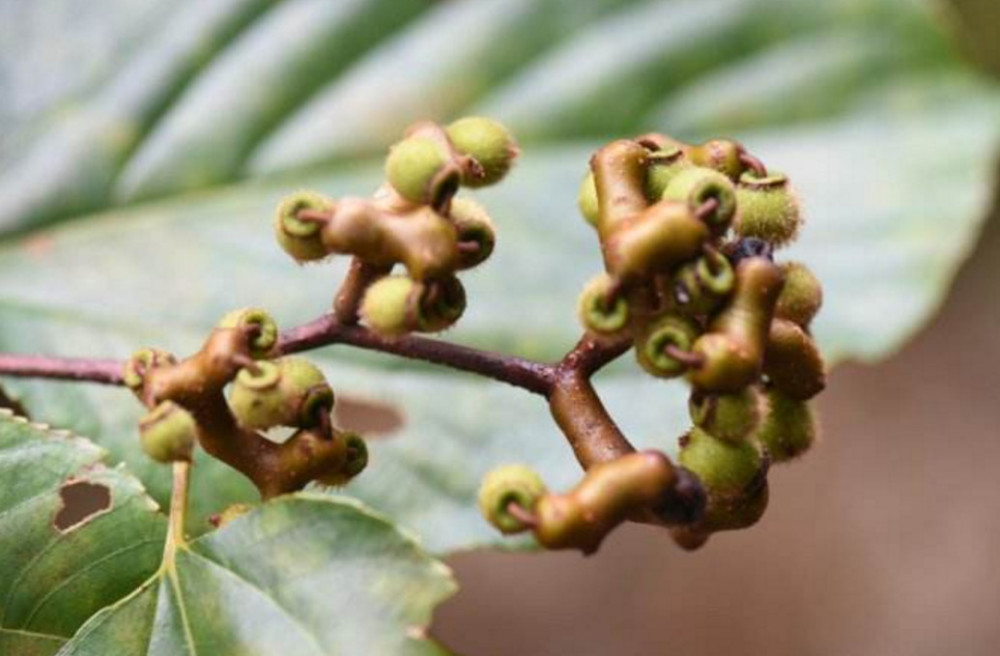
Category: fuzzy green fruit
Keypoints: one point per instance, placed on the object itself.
(769, 209)
(301, 239)
(421, 171)
(651, 345)
(440, 304)
(385, 307)
(355, 462)
(725, 468)
(594, 311)
(505, 485)
(801, 297)
(789, 427)
(258, 321)
(474, 226)
(168, 433)
(696, 186)
(701, 286)
(287, 392)
(489, 143)
(729, 417)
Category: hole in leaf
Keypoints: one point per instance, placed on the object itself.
(368, 417)
(81, 502)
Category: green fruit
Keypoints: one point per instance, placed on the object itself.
(788, 428)
(505, 485)
(301, 239)
(168, 433)
(696, 186)
(287, 392)
(586, 200)
(730, 417)
(489, 143)
(701, 286)
(355, 462)
(474, 226)
(662, 166)
(134, 371)
(651, 345)
(260, 323)
(440, 304)
(421, 171)
(725, 468)
(801, 297)
(386, 305)
(769, 209)
(594, 310)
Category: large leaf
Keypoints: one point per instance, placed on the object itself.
(301, 575)
(888, 136)
(75, 536)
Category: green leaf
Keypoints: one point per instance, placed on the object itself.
(302, 574)
(889, 137)
(58, 567)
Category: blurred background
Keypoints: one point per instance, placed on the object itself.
(884, 540)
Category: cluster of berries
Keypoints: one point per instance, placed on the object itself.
(687, 234)
(413, 220)
(188, 406)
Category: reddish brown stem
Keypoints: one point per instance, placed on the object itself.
(536, 377)
(352, 291)
(106, 372)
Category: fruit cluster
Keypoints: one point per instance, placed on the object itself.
(413, 220)
(188, 405)
(687, 234)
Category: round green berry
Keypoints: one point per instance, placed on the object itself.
(355, 462)
(698, 185)
(768, 209)
(168, 433)
(420, 170)
(287, 392)
(725, 468)
(257, 321)
(386, 305)
(505, 485)
(599, 313)
(730, 417)
(702, 285)
(440, 303)
(651, 347)
(301, 239)
(489, 143)
(788, 428)
(475, 232)
(801, 297)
